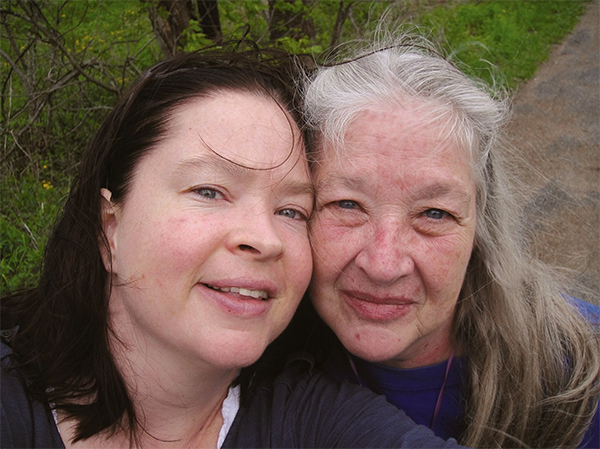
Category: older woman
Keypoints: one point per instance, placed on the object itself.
(420, 268)
(181, 254)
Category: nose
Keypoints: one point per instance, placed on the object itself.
(257, 237)
(387, 253)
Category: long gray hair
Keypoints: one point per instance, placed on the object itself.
(534, 361)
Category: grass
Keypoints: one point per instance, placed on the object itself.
(25, 222)
(506, 38)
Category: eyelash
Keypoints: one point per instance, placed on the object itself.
(340, 204)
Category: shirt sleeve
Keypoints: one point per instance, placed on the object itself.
(309, 410)
(24, 422)
(346, 415)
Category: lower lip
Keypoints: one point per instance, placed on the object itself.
(377, 312)
(234, 304)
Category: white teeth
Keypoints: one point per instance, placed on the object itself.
(243, 291)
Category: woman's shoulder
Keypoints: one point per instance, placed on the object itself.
(303, 407)
(591, 312)
(25, 422)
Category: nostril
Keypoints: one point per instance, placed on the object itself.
(247, 248)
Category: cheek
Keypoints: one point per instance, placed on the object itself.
(182, 237)
(445, 265)
(300, 267)
(333, 246)
(169, 245)
(176, 240)
(321, 232)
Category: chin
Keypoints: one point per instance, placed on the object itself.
(239, 354)
(234, 361)
(369, 355)
(372, 346)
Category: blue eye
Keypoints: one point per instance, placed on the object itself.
(292, 213)
(207, 193)
(436, 214)
(347, 204)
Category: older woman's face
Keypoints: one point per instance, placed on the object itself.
(210, 250)
(392, 237)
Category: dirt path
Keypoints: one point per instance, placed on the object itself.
(556, 124)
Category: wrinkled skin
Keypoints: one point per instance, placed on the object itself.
(392, 236)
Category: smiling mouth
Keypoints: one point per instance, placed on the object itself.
(380, 310)
(256, 294)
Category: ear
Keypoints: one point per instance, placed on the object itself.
(109, 226)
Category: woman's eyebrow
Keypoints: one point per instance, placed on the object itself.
(336, 179)
(451, 190)
(300, 188)
(212, 162)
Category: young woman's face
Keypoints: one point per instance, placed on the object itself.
(393, 233)
(210, 252)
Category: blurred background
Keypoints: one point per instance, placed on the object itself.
(63, 64)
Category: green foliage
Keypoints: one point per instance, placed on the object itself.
(194, 37)
(245, 16)
(66, 63)
(30, 205)
(252, 19)
(513, 36)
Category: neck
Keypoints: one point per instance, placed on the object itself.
(178, 401)
(175, 407)
(171, 427)
(177, 398)
(192, 426)
(427, 352)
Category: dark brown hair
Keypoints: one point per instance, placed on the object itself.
(62, 346)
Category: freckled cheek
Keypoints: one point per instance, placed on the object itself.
(299, 265)
(180, 241)
(333, 248)
(321, 230)
(324, 242)
(446, 266)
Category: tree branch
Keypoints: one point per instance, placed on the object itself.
(35, 16)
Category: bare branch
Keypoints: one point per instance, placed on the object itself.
(342, 15)
(36, 16)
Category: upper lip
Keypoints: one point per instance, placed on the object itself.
(255, 289)
(378, 299)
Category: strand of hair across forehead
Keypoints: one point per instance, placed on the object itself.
(424, 48)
